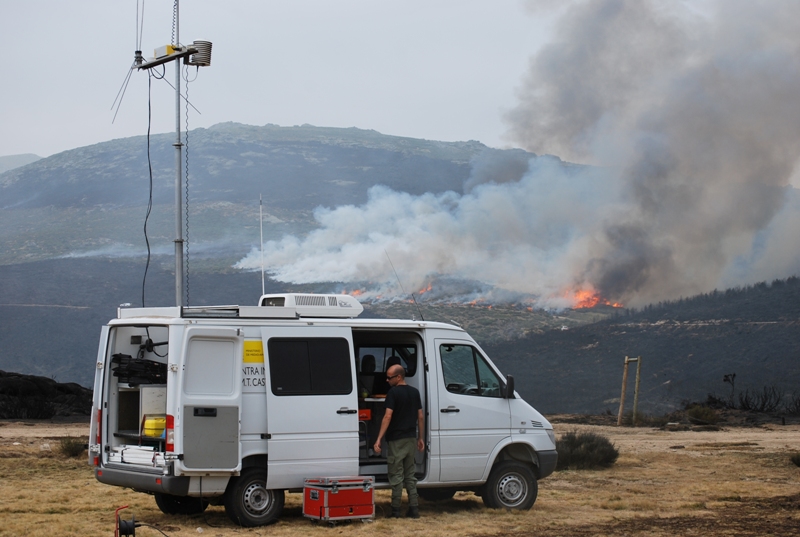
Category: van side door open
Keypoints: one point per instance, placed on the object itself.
(312, 404)
(473, 416)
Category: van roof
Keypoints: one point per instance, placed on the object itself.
(257, 315)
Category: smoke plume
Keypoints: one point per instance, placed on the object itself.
(688, 120)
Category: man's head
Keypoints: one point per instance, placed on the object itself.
(395, 375)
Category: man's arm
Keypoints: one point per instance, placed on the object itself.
(421, 425)
(387, 418)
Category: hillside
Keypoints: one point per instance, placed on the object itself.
(92, 200)
(687, 346)
(53, 311)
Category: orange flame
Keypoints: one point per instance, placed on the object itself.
(423, 291)
(584, 299)
(354, 292)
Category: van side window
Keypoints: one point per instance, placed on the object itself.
(310, 366)
(466, 371)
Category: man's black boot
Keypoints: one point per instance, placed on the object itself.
(413, 511)
(396, 513)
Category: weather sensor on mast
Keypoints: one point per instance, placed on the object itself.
(197, 54)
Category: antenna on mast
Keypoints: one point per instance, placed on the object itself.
(261, 224)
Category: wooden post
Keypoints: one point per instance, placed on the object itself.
(622, 396)
(636, 388)
(625, 384)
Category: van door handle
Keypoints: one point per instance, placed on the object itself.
(205, 412)
(347, 411)
(450, 409)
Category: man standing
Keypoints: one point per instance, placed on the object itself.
(402, 420)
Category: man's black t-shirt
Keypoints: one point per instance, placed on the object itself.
(405, 403)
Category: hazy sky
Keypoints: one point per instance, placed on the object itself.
(442, 70)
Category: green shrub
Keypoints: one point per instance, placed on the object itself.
(796, 459)
(71, 446)
(584, 451)
(702, 415)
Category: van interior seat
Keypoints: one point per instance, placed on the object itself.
(366, 376)
(380, 384)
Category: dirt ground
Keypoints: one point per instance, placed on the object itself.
(735, 481)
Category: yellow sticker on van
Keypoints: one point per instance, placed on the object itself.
(253, 352)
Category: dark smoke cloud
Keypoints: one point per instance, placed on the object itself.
(687, 116)
(496, 166)
(696, 110)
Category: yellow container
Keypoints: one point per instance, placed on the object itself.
(153, 425)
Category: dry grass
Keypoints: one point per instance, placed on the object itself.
(729, 482)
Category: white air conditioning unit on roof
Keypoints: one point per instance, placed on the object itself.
(313, 305)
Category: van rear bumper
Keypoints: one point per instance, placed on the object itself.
(547, 462)
(166, 484)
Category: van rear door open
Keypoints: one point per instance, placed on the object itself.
(312, 404)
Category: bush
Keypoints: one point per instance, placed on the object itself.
(717, 402)
(644, 420)
(792, 405)
(702, 415)
(71, 446)
(767, 400)
(796, 459)
(584, 451)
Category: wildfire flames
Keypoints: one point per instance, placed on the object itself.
(583, 299)
(354, 292)
(578, 298)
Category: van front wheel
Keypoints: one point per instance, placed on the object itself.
(511, 485)
(248, 501)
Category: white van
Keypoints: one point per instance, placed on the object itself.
(238, 404)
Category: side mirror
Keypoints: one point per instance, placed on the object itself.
(509, 387)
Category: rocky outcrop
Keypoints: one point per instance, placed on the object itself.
(34, 397)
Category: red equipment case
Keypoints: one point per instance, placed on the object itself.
(339, 498)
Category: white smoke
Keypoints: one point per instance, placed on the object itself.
(691, 120)
(515, 236)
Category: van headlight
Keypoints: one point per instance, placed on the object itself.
(551, 435)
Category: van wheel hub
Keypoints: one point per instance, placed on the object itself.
(256, 498)
(511, 489)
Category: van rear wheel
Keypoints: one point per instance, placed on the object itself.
(248, 501)
(511, 485)
(180, 505)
